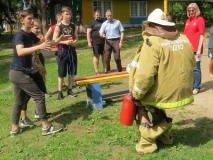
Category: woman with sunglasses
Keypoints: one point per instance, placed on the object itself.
(194, 30)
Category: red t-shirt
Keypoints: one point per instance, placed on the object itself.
(53, 28)
(194, 27)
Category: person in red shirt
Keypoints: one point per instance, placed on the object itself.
(51, 31)
(194, 30)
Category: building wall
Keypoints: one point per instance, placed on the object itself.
(121, 11)
(87, 11)
(153, 4)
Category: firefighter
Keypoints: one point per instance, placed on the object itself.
(161, 77)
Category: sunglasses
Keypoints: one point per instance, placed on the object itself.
(191, 10)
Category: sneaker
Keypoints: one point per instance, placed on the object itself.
(71, 93)
(37, 115)
(60, 96)
(26, 123)
(76, 86)
(15, 133)
(47, 95)
(51, 129)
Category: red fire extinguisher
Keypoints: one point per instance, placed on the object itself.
(128, 110)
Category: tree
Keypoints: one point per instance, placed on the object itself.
(179, 11)
(8, 10)
(39, 8)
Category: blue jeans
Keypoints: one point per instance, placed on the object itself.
(197, 76)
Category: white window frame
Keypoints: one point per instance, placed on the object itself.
(49, 21)
(138, 8)
(102, 9)
(57, 8)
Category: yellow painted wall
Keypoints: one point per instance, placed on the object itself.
(121, 10)
(87, 11)
(153, 4)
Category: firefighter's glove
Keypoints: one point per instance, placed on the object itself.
(135, 101)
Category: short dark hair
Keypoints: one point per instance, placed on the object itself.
(24, 13)
(97, 11)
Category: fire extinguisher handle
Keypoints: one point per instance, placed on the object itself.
(135, 101)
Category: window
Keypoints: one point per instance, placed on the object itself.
(138, 9)
(102, 6)
(57, 8)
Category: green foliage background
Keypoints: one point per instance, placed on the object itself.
(180, 16)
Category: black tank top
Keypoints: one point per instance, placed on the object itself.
(66, 30)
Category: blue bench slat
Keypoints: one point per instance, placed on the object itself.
(115, 94)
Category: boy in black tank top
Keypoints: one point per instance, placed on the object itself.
(67, 58)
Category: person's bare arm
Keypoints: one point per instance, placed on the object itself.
(21, 51)
(75, 38)
(121, 39)
(89, 30)
(40, 67)
(102, 35)
(200, 45)
(63, 40)
(48, 34)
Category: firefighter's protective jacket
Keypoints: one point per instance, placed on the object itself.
(161, 73)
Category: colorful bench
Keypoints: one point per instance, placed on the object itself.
(95, 99)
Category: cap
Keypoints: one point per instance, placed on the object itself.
(159, 17)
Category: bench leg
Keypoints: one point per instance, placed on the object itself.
(94, 97)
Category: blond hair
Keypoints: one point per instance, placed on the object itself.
(58, 15)
(37, 23)
(195, 7)
(66, 9)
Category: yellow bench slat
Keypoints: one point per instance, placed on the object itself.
(102, 79)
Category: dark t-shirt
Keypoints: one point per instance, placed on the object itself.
(95, 25)
(23, 63)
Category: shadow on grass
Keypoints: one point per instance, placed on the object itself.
(72, 112)
(199, 132)
(6, 41)
(110, 102)
(110, 85)
(4, 67)
(206, 86)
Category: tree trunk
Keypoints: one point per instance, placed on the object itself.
(43, 15)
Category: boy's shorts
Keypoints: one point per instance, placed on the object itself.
(68, 62)
(210, 52)
(98, 49)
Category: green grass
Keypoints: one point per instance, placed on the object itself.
(92, 134)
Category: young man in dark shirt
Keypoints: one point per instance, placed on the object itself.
(67, 57)
(97, 43)
(24, 44)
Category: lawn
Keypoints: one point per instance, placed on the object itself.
(89, 134)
